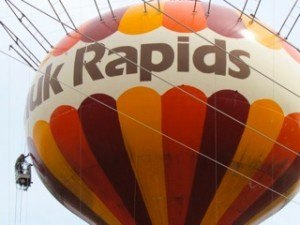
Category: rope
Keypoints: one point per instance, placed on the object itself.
(170, 138)
(21, 204)
(16, 202)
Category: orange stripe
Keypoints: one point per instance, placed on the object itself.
(144, 147)
(67, 131)
(183, 120)
(262, 35)
(137, 21)
(273, 167)
(266, 117)
(55, 162)
(187, 18)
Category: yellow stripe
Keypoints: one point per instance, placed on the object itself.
(262, 35)
(137, 21)
(275, 206)
(267, 117)
(144, 147)
(55, 162)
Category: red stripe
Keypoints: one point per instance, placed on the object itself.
(220, 140)
(67, 132)
(63, 195)
(103, 132)
(274, 167)
(183, 120)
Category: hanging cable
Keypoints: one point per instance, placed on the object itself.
(145, 8)
(195, 4)
(295, 22)
(177, 87)
(288, 16)
(98, 10)
(56, 14)
(21, 45)
(21, 206)
(111, 9)
(256, 10)
(16, 202)
(22, 16)
(19, 54)
(158, 4)
(243, 10)
(68, 15)
(208, 9)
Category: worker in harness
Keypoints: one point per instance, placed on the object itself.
(23, 172)
(19, 162)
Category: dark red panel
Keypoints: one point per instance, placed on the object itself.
(220, 140)
(63, 195)
(103, 132)
(183, 120)
(67, 132)
(96, 30)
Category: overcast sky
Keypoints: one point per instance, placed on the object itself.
(37, 206)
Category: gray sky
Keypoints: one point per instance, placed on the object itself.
(37, 206)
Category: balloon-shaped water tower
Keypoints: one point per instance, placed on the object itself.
(164, 114)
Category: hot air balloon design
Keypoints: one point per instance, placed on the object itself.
(168, 117)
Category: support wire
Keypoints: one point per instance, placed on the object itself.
(288, 16)
(15, 9)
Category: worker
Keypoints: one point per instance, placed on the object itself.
(19, 163)
(23, 172)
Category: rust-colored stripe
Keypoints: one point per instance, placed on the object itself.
(59, 167)
(103, 133)
(274, 166)
(266, 117)
(183, 120)
(63, 195)
(144, 147)
(67, 132)
(282, 185)
(275, 206)
(220, 140)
